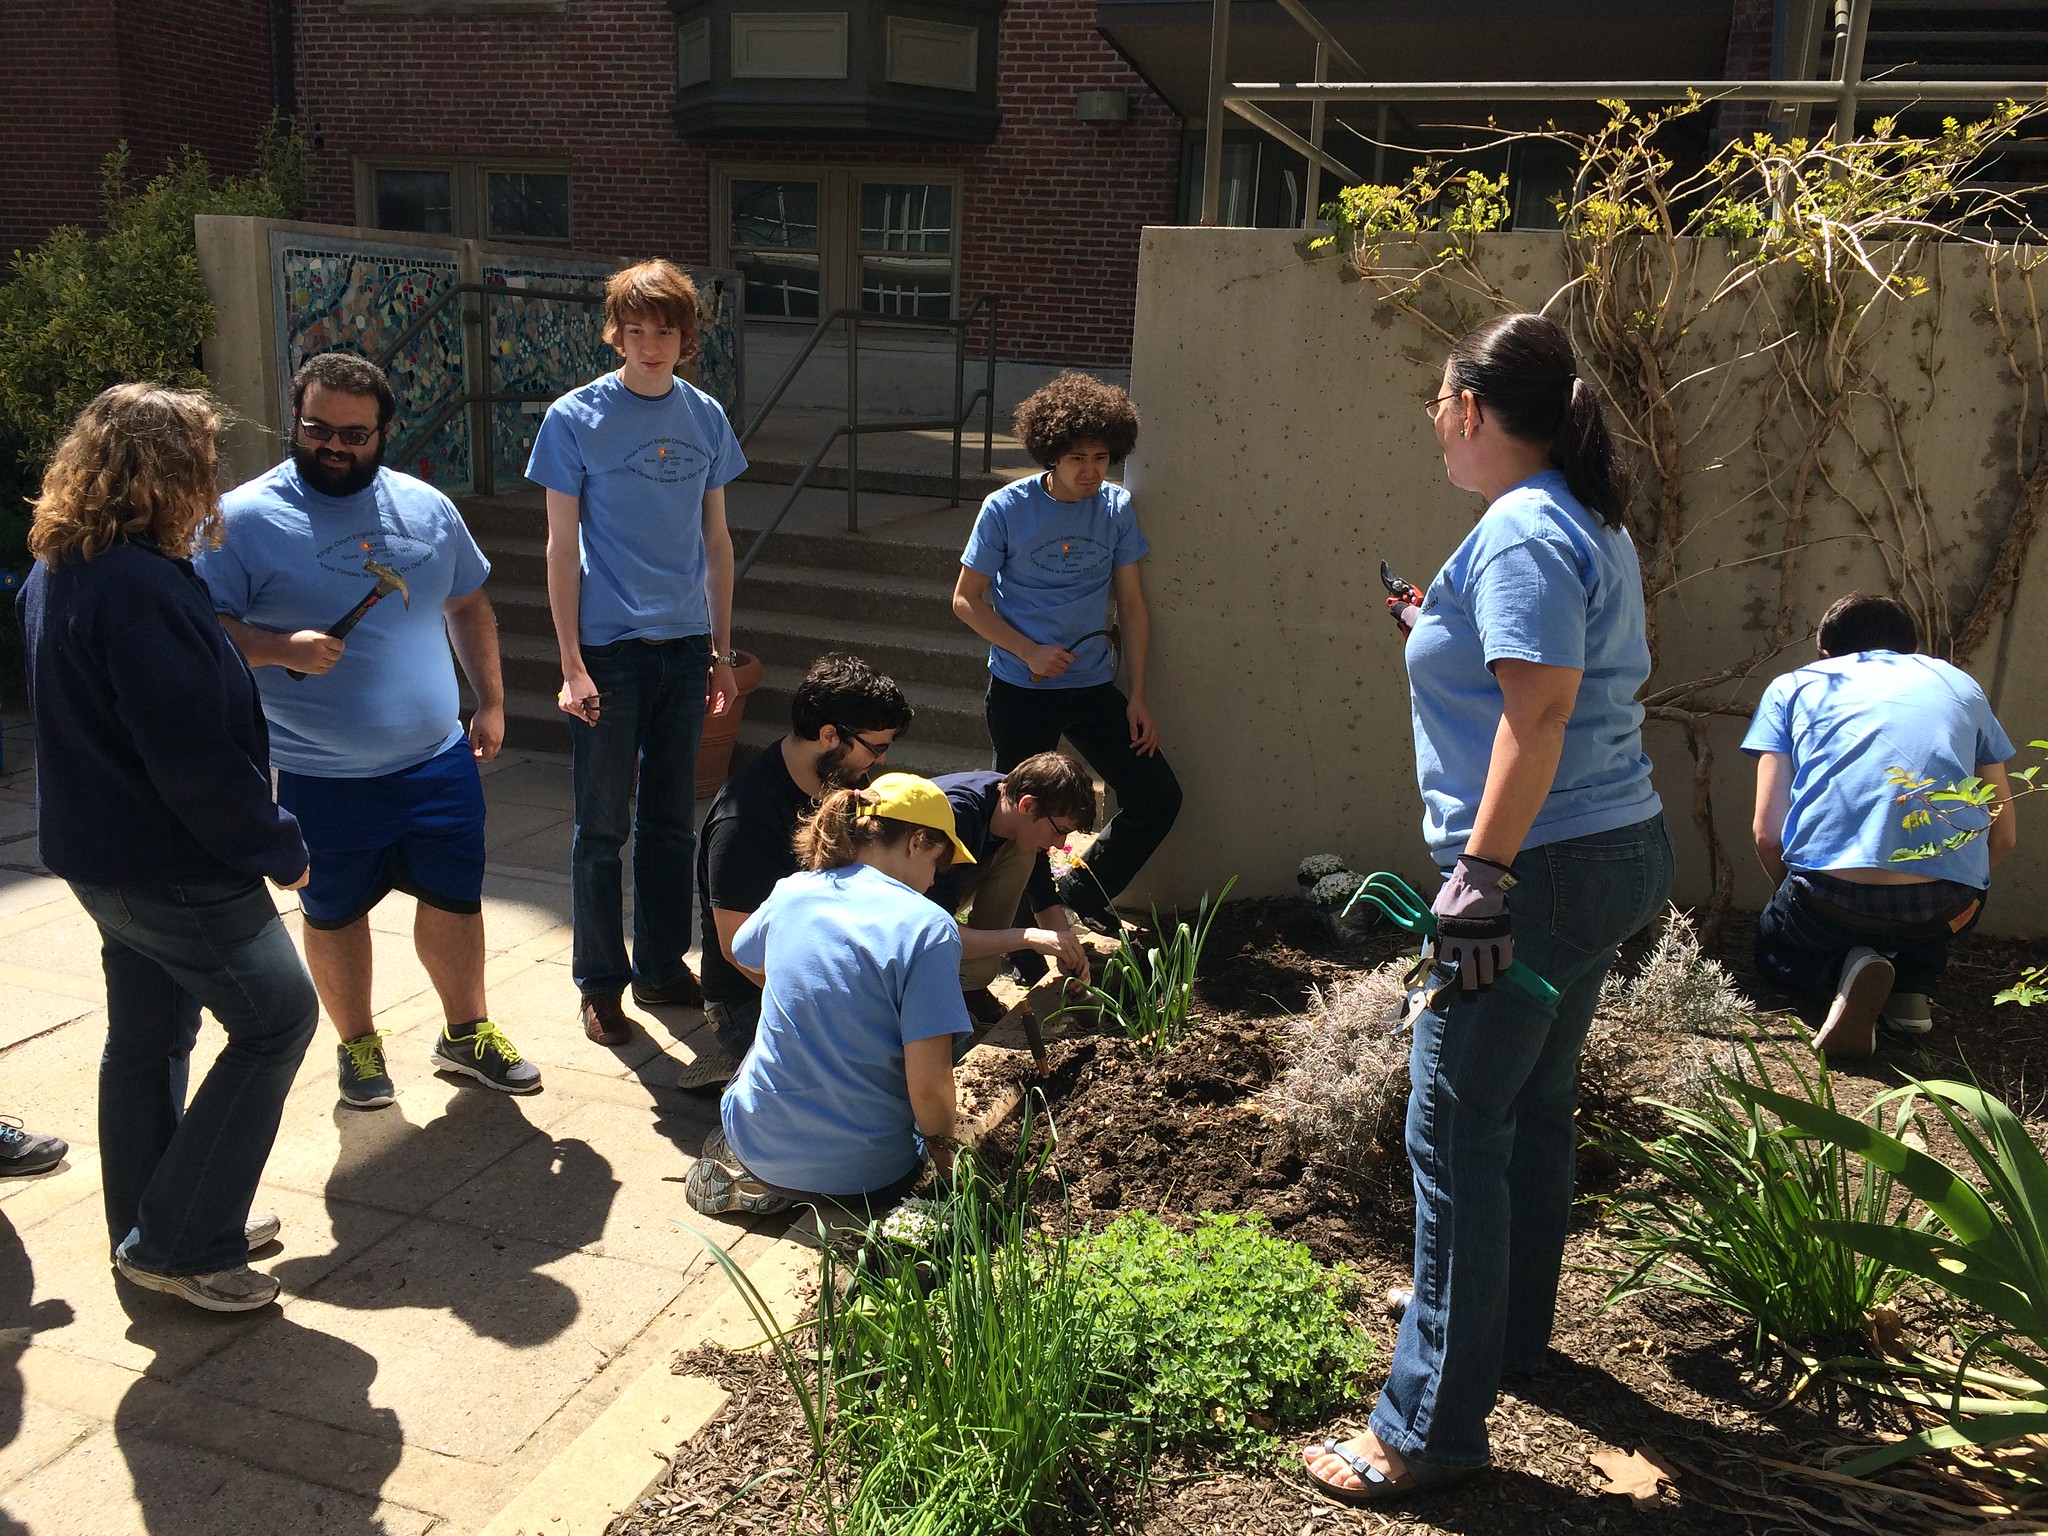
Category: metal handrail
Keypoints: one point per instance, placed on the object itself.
(853, 428)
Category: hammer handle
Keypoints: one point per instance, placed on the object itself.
(342, 626)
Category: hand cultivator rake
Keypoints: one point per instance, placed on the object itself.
(1397, 899)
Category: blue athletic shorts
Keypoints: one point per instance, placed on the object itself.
(419, 830)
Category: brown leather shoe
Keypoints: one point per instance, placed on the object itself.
(604, 1021)
(683, 992)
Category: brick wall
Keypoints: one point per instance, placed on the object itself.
(1052, 209)
(77, 76)
(1750, 29)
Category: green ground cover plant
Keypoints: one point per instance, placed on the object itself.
(1983, 1248)
(1225, 1334)
(1747, 1210)
(1147, 990)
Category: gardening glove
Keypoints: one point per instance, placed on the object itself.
(1405, 610)
(1472, 931)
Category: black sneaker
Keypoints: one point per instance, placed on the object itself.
(364, 1082)
(684, 992)
(486, 1055)
(24, 1152)
(1084, 898)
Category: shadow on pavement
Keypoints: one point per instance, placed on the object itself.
(21, 1317)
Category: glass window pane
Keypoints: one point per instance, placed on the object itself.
(529, 205)
(775, 213)
(423, 201)
(906, 217)
(907, 285)
(778, 283)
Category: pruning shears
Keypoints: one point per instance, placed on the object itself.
(1397, 899)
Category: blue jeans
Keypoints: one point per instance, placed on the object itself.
(177, 1177)
(650, 720)
(1491, 1136)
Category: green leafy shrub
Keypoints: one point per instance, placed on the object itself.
(1225, 1333)
(1746, 1206)
(84, 311)
(1148, 990)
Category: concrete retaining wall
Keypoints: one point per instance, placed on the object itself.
(1284, 454)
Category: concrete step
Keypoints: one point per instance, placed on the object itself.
(516, 560)
(944, 714)
(522, 609)
(923, 603)
(910, 656)
(836, 552)
(517, 515)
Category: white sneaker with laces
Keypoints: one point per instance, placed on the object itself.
(1907, 1013)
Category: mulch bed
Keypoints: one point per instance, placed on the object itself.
(1186, 1132)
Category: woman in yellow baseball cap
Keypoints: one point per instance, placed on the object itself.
(849, 1084)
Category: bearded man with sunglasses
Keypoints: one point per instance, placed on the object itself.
(366, 730)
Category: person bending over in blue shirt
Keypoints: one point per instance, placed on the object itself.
(849, 1081)
(640, 584)
(1046, 555)
(1523, 668)
(1846, 918)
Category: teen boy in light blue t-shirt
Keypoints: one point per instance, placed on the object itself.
(1045, 557)
(1848, 917)
(639, 563)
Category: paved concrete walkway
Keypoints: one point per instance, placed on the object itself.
(481, 1294)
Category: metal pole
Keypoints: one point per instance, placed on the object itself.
(853, 423)
(1886, 88)
(988, 399)
(1313, 199)
(1379, 149)
(483, 437)
(1212, 125)
(1849, 69)
(959, 399)
(1294, 141)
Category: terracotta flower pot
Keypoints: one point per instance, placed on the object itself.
(714, 752)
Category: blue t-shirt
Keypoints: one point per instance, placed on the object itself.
(1539, 579)
(1845, 720)
(1049, 563)
(858, 965)
(641, 468)
(292, 558)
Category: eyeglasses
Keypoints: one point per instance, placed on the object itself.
(1434, 408)
(1057, 828)
(872, 749)
(320, 432)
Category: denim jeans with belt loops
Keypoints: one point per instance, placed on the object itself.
(1491, 1137)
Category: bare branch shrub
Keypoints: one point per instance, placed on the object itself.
(1678, 989)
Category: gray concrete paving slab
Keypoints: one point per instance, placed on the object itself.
(481, 1337)
(26, 1011)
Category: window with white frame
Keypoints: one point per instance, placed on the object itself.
(479, 199)
(808, 242)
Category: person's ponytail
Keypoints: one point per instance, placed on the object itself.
(824, 839)
(1584, 451)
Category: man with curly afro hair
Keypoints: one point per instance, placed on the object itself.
(1047, 555)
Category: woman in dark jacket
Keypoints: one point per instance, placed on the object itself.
(154, 802)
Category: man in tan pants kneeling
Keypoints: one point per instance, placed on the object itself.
(1008, 821)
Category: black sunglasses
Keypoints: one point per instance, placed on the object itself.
(320, 432)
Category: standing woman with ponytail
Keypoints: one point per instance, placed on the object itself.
(850, 1077)
(1523, 670)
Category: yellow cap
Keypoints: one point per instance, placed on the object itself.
(906, 797)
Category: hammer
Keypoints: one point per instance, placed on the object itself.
(388, 582)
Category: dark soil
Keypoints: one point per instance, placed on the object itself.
(1187, 1131)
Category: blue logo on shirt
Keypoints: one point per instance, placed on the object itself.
(668, 460)
(345, 557)
(1071, 555)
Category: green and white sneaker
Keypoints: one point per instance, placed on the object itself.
(364, 1082)
(486, 1055)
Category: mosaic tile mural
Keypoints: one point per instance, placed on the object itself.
(339, 292)
(334, 292)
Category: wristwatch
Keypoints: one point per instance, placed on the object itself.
(725, 658)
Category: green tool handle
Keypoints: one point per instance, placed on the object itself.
(1416, 917)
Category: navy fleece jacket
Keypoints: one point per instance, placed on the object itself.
(152, 758)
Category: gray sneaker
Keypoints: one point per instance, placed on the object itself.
(25, 1152)
(718, 1184)
(709, 1071)
(487, 1056)
(261, 1227)
(364, 1082)
(240, 1289)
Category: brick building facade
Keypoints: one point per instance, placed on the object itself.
(80, 76)
(1050, 211)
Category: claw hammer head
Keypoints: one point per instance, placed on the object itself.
(388, 581)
